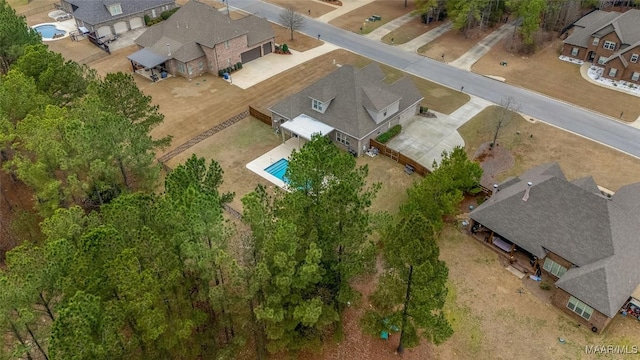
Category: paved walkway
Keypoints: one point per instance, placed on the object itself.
(424, 139)
(347, 6)
(383, 30)
(425, 38)
(474, 54)
(273, 64)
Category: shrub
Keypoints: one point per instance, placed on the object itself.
(545, 285)
(385, 137)
(285, 48)
(147, 20)
(424, 109)
(221, 72)
(167, 14)
(239, 64)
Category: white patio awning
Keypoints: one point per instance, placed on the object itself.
(305, 126)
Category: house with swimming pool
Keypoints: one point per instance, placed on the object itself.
(350, 105)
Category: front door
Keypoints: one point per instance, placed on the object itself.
(592, 56)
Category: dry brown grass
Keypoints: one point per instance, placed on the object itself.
(545, 73)
(409, 31)
(388, 10)
(303, 6)
(24, 6)
(452, 44)
(539, 143)
(300, 42)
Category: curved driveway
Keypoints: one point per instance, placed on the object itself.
(566, 116)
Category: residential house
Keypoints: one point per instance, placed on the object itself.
(199, 39)
(610, 40)
(107, 17)
(587, 242)
(350, 105)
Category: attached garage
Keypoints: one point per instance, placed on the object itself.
(266, 48)
(136, 23)
(250, 55)
(121, 27)
(103, 31)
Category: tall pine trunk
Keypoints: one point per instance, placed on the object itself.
(407, 297)
(16, 333)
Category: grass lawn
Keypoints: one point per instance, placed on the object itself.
(409, 31)
(545, 73)
(303, 6)
(452, 44)
(388, 10)
(539, 143)
(300, 42)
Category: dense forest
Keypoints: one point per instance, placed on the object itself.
(124, 261)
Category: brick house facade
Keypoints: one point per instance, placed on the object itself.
(610, 40)
(597, 321)
(198, 39)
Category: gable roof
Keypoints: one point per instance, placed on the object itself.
(196, 25)
(588, 25)
(600, 23)
(95, 11)
(351, 91)
(625, 25)
(573, 220)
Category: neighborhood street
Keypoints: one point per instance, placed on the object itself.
(566, 116)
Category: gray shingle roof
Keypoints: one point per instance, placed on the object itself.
(196, 25)
(587, 183)
(347, 111)
(95, 12)
(588, 25)
(598, 235)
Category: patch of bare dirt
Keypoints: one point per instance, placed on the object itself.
(493, 161)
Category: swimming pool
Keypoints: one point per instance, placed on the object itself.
(49, 31)
(278, 169)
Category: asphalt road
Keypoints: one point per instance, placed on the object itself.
(583, 122)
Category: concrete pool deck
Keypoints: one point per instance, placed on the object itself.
(282, 151)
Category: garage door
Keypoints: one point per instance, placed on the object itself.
(104, 31)
(136, 23)
(121, 27)
(250, 55)
(266, 48)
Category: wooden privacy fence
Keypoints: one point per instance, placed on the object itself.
(399, 157)
(260, 115)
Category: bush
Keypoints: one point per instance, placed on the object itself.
(385, 137)
(545, 285)
(285, 48)
(424, 109)
(167, 14)
(221, 72)
(239, 65)
(147, 20)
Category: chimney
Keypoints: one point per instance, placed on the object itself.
(526, 192)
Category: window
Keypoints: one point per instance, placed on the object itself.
(181, 68)
(635, 76)
(580, 308)
(634, 58)
(316, 105)
(602, 59)
(200, 65)
(595, 41)
(575, 51)
(342, 139)
(190, 69)
(554, 268)
(153, 13)
(613, 72)
(226, 44)
(115, 9)
(609, 45)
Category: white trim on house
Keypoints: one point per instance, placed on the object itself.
(305, 126)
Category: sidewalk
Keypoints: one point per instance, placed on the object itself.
(383, 30)
(429, 36)
(474, 54)
(347, 6)
(273, 64)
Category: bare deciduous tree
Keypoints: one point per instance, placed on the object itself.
(291, 19)
(508, 108)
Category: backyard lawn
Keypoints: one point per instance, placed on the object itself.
(387, 10)
(538, 143)
(545, 73)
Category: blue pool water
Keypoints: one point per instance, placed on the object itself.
(278, 169)
(48, 31)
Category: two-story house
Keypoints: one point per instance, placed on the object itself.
(586, 242)
(108, 17)
(610, 40)
(349, 105)
(198, 38)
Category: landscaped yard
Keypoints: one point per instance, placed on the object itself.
(452, 44)
(538, 143)
(545, 73)
(388, 10)
(300, 42)
(303, 6)
(409, 31)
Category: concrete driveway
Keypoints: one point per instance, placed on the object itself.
(424, 139)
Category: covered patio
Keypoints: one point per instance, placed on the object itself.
(303, 126)
(149, 64)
